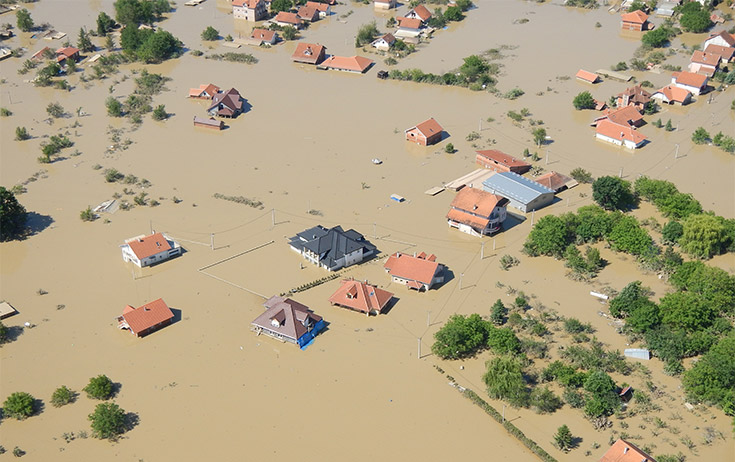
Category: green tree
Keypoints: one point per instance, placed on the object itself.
(703, 236)
(366, 34)
(460, 337)
(687, 311)
(453, 13)
(628, 236)
(19, 405)
(602, 399)
(159, 113)
(544, 401)
(210, 33)
(83, 41)
(503, 340)
(55, 110)
(99, 387)
(549, 236)
(581, 175)
(289, 33)
(62, 396)
(105, 24)
(449, 148)
(713, 284)
(497, 313)
(669, 126)
(281, 5)
(631, 294)
(24, 20)
(539, 136)
(593, 223)
(108, 421)
(504, 380)
(12, 216)
(134, 12)
(473, 67)
(159, 46)
(87, 214)
(21, 134)
(644, 316)
(695, 19)
(672, 231)
(114, 107)
(712, 378)
(563, 438)
(700, 136)
(109, 42)
(584, 100)
(612, 193)
(658, 37)
(637, 5)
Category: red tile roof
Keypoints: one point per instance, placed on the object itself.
(308, 12)
(635, 17)
(690, 79)
(360, 296)
(726, 53)
(146, 316)
(67, 51)
(587, 76)
(413, 268)
(674, 93)
(286, 317)
(319, 6)
(263, 34)
(422, 12)
(555, 181)
(503, 158)
(628, 115)
(309, 53)
(429, 127)
(144, 247)
(477, 201)
(207, 88)
(409, 23)
(709, 59)
(351, 63)
(619, 132)
(623, 451)
(728, 38)
(251, 4)
(288, 18)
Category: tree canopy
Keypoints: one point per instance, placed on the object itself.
(105, 24)
(137, 12)
(584, 100)
(504, 380)
(281, 5)
(704, 235)
(24, 20)
(712, 378)
(658, 37)
(12, 216)
(548, 237)
(99, 387)
(108, 421)
(19, 405)
(460, 337)
(694, 18)
(612, 193)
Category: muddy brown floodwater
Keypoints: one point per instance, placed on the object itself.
(208, 388)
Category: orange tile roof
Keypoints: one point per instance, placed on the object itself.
(477, 201)
(208, 88)
(308, 12)
(690, 79)
(146, 316)
(587, 76)
(674, 93)
(351, 63)
(628, 115)
(251, 4)
(623, 451)
(263, 34)
(67, 51)
(429, 127)
(466, 218)
(360, 296)
(555, 180)
(308, 53)
(409, 23)
(288, 18)
(413, 268)
(701, 57)
(144, 247)
(726, 53)
(636, 17)
(318, 5)
(728, 38)
(422, 12)
(503, 158)
(619, 132)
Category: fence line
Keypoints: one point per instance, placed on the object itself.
(235, 256)
(233, 284)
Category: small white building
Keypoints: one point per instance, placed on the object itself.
(384, 4)
(384, 43)
(694, 83)
(148, 250)
(721, 38)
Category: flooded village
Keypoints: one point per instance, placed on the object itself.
(273, 227)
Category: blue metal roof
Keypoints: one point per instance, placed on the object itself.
(514, 186)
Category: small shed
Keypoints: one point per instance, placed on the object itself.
(209, 123)
(638, 353)
(7, 310)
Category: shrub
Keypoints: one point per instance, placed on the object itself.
(100, 387)
(55, 110)
(700, 136)
(563, 438)
(62, 396)
(114, 107)
(87, 214)
(108, 421)
(19, 405)
(581, 175)
(210, 33)
(544, 401)
(159, 113)
(366, 34)
(449, 148)
(460, 337)
(497, 313)
(21, 134)
(584, 100)
(112, 175)
(575, 326)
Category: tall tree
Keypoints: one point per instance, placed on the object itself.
(12, 216)
(105, 24)
(24, 20)
(612, 193)
(83, 42)
(504, 380)
(703, 235)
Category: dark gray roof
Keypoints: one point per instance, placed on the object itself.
(331, 244)
(514, 186)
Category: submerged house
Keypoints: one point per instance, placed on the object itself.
(361, 296)
(146, 318)
(384, 4)
(356, 64)
(628, 116)
(501, 162)
(672, 94)
(332, 249)
(556, 181)
(384, 43)
(524, 194)
(209, 123)
(309, 53)
(622, 135)
(704, 63)
(477, 212)
(205, 91)
(289, 321)
(635, 20)
(249, 10)
(623, 451)
(264, 36)
(419, 272)
(148, 250)
(227, 104)
(587, 76)
(62, 54)
(634, 96)
(695, 83)
(285, 18)
(426, 133)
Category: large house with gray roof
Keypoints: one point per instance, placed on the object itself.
(333, 248)
(524, 194)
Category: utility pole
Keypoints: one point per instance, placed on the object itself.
(273, 218)
(493, 245)
(419, 353)
(460, 280)
(428, 319)
(621, 172)
(150, 222)
(482, 251)
(547, 156)
(375, 233)
(567, 202)
(503, 413)
(533, 214)
(676, 154)
(480, 125)
(211, 240)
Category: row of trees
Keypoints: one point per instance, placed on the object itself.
(464, 336)
(476, 73)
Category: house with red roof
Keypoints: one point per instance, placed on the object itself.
(426, 133)
(635, 20)
(587, 76)
(148, 250)
(384, 43)
(722, 38)
(556, 181)
(704, 63)
(285, 18)
(146, 318)
(308, 13)
(623, 451)
(309, 53)
(419, 272)
(634, 96)
(40, 54)
(501, 162)
(627, 115)
(408, 27)
(249, 10)
(62, 54)
(727, 54)
(356, 64)
(384, 4)
(361, 296)
(695, 83)
(420, 12)
(227, 104)
(477, 212)
(622, 135)
(205, 91)
(288, 321)
(672, 94)
(264, 36)
(324, 9)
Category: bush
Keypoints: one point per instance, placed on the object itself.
(55, 110)
(544, 401)
(108, 421)
(210, 33)
(503, 340)
(112, 175)
(87, 214)
(581, 175)
(700, 136)
(563, 438)
(100, 387)
(584, 100)
(19, 405)
(159, 113)
(62, 396)
(366, 34)
(575, 326)
(658, 37)
(672, 231)
(612, 193)
(449, 148)
(21, 134)
(712, 379)
(504, 380)
(460, 337)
